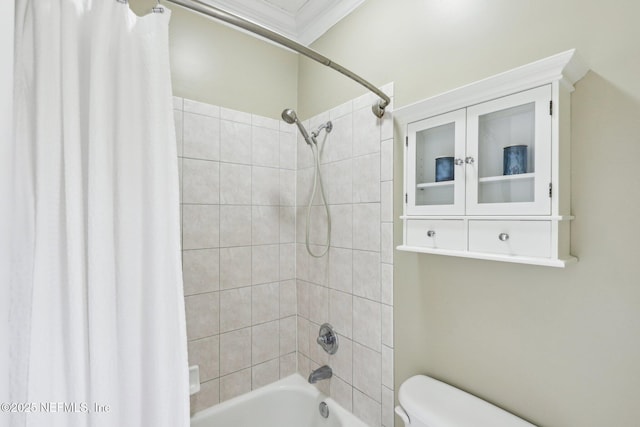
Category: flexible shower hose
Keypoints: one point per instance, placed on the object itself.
(317, 176)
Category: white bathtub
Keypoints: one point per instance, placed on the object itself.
(290, 402)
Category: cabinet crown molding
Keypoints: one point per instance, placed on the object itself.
(566, 67)
(487, 166)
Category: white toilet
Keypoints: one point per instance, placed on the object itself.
(427, 402)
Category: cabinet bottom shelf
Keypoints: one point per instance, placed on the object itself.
(547, 262)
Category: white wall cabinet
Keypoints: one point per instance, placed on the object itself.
(487, 166)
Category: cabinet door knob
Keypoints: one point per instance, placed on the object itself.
(468, 160)
(503, 237)
(431, 233)
(459, 162)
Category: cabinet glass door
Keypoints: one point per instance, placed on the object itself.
(508, 154)
(434, 164)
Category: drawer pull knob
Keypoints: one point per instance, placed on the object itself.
(503, 237)
(469, 160)
(459, 162)
(431, 233)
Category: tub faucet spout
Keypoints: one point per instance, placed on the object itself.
(322, 373)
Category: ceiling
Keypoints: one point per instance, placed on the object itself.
(300, 20)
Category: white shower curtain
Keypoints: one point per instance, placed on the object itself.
(98, 334)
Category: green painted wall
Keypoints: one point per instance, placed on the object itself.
(559, 347)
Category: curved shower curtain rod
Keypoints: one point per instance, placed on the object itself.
(214, 12)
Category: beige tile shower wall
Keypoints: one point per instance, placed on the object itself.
(237, 174)
(352, 286)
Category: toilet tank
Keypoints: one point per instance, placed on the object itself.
(427, 402)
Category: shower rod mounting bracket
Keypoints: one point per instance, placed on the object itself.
(378, 108)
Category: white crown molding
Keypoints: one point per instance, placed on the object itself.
(310, 22)
(566, 67)
(259, 12)
(317, 17)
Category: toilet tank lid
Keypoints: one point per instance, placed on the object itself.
(437, 404)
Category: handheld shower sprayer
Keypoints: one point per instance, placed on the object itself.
(290, 116)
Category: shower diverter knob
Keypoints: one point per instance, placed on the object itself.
(328, 339)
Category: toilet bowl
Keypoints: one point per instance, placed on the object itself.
(427, 402)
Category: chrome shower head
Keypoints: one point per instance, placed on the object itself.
(290, 116)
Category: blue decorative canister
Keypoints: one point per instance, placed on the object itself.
(514, 160)
(444, 169)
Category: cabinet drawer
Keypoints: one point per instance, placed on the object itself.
(440, 234)
(522, 238)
